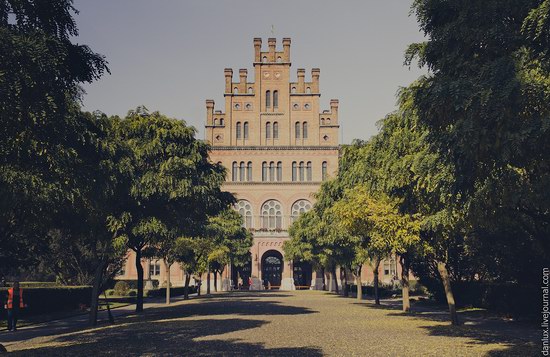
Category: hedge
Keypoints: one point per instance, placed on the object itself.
(178, 291)
(49, 299)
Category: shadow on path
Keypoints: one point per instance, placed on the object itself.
(162, 331)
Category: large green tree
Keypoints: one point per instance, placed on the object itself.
(41, 131)
(174, 186)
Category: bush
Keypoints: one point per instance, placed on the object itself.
(178, 291)
(121, 288)
(52, 299)
(109, 292)
(132, 293)
(163, 285)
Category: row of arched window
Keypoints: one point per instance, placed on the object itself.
(242, 171)
(242, 132)
(297, 127)
(271, 212)
(221, 122)
(275, 99)
(273, 171)
(236, 90)
(293, 90)
(272, 133)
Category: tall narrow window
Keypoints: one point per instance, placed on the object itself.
(249, 171)
(302, 171)
(241, 171)
(297, 130)
(271, 171)
(268, 99)
(275, 130)
(294, 171)
(245, 127)
(267, 130)
(221, 122)
(309, 171)
(234, 171)
(324, 171)
(238, 130)
(279, 171)
(264, 171)
(304, 131)
(275, 99)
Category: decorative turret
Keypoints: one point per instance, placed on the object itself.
(315, 72)
(301, 77)
(257, 49)
(209, 111)
(271, 42)
(228, 78)
(286, 49)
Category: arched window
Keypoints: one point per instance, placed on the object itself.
(309, 171)
(238, 129)
(293, 90)
(275, 130)
(308, 90)
(324, 170)
(268, 99)
(264, 59)
(234, 171)
(322, 121)
(221, 121)
(272, 215)
(249, 90)
(271, 171)
(275, 99)
(279, 171)
(328, 121)
(264, 171)
(267, 130)
(236, 90)
(241, 171)
(294, 171)
(249, 172)
(245, 210)
(245, 126)
(279, 59)
(304, 131)
(215, 122)
(299, 207)
(297, 130)
(301, 170)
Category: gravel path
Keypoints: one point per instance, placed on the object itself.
(304, 323)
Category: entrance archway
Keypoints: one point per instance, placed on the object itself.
(272, 269)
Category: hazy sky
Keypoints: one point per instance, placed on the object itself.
(169, 55)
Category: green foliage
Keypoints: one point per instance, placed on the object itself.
(42, 132)
(121, 288)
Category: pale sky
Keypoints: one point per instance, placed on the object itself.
(169, 55)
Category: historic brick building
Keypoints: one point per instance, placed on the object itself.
(278, 145)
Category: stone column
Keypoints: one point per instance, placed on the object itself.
(287, 282)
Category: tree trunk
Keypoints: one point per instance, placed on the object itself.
(405, 282)
(186, 286)
(167, 272)
(139, 269)
(334, 279)
(358, 282)
(94, 303)
(208, 282)
(200, 285)
(324, 280)
(376, 279)
(346, 290)
(442, 268)
(215, 281)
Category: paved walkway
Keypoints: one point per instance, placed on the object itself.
(302, 323)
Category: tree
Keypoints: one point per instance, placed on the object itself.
(41, 131)
(173, 188)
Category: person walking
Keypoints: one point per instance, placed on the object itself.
(13, 305)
